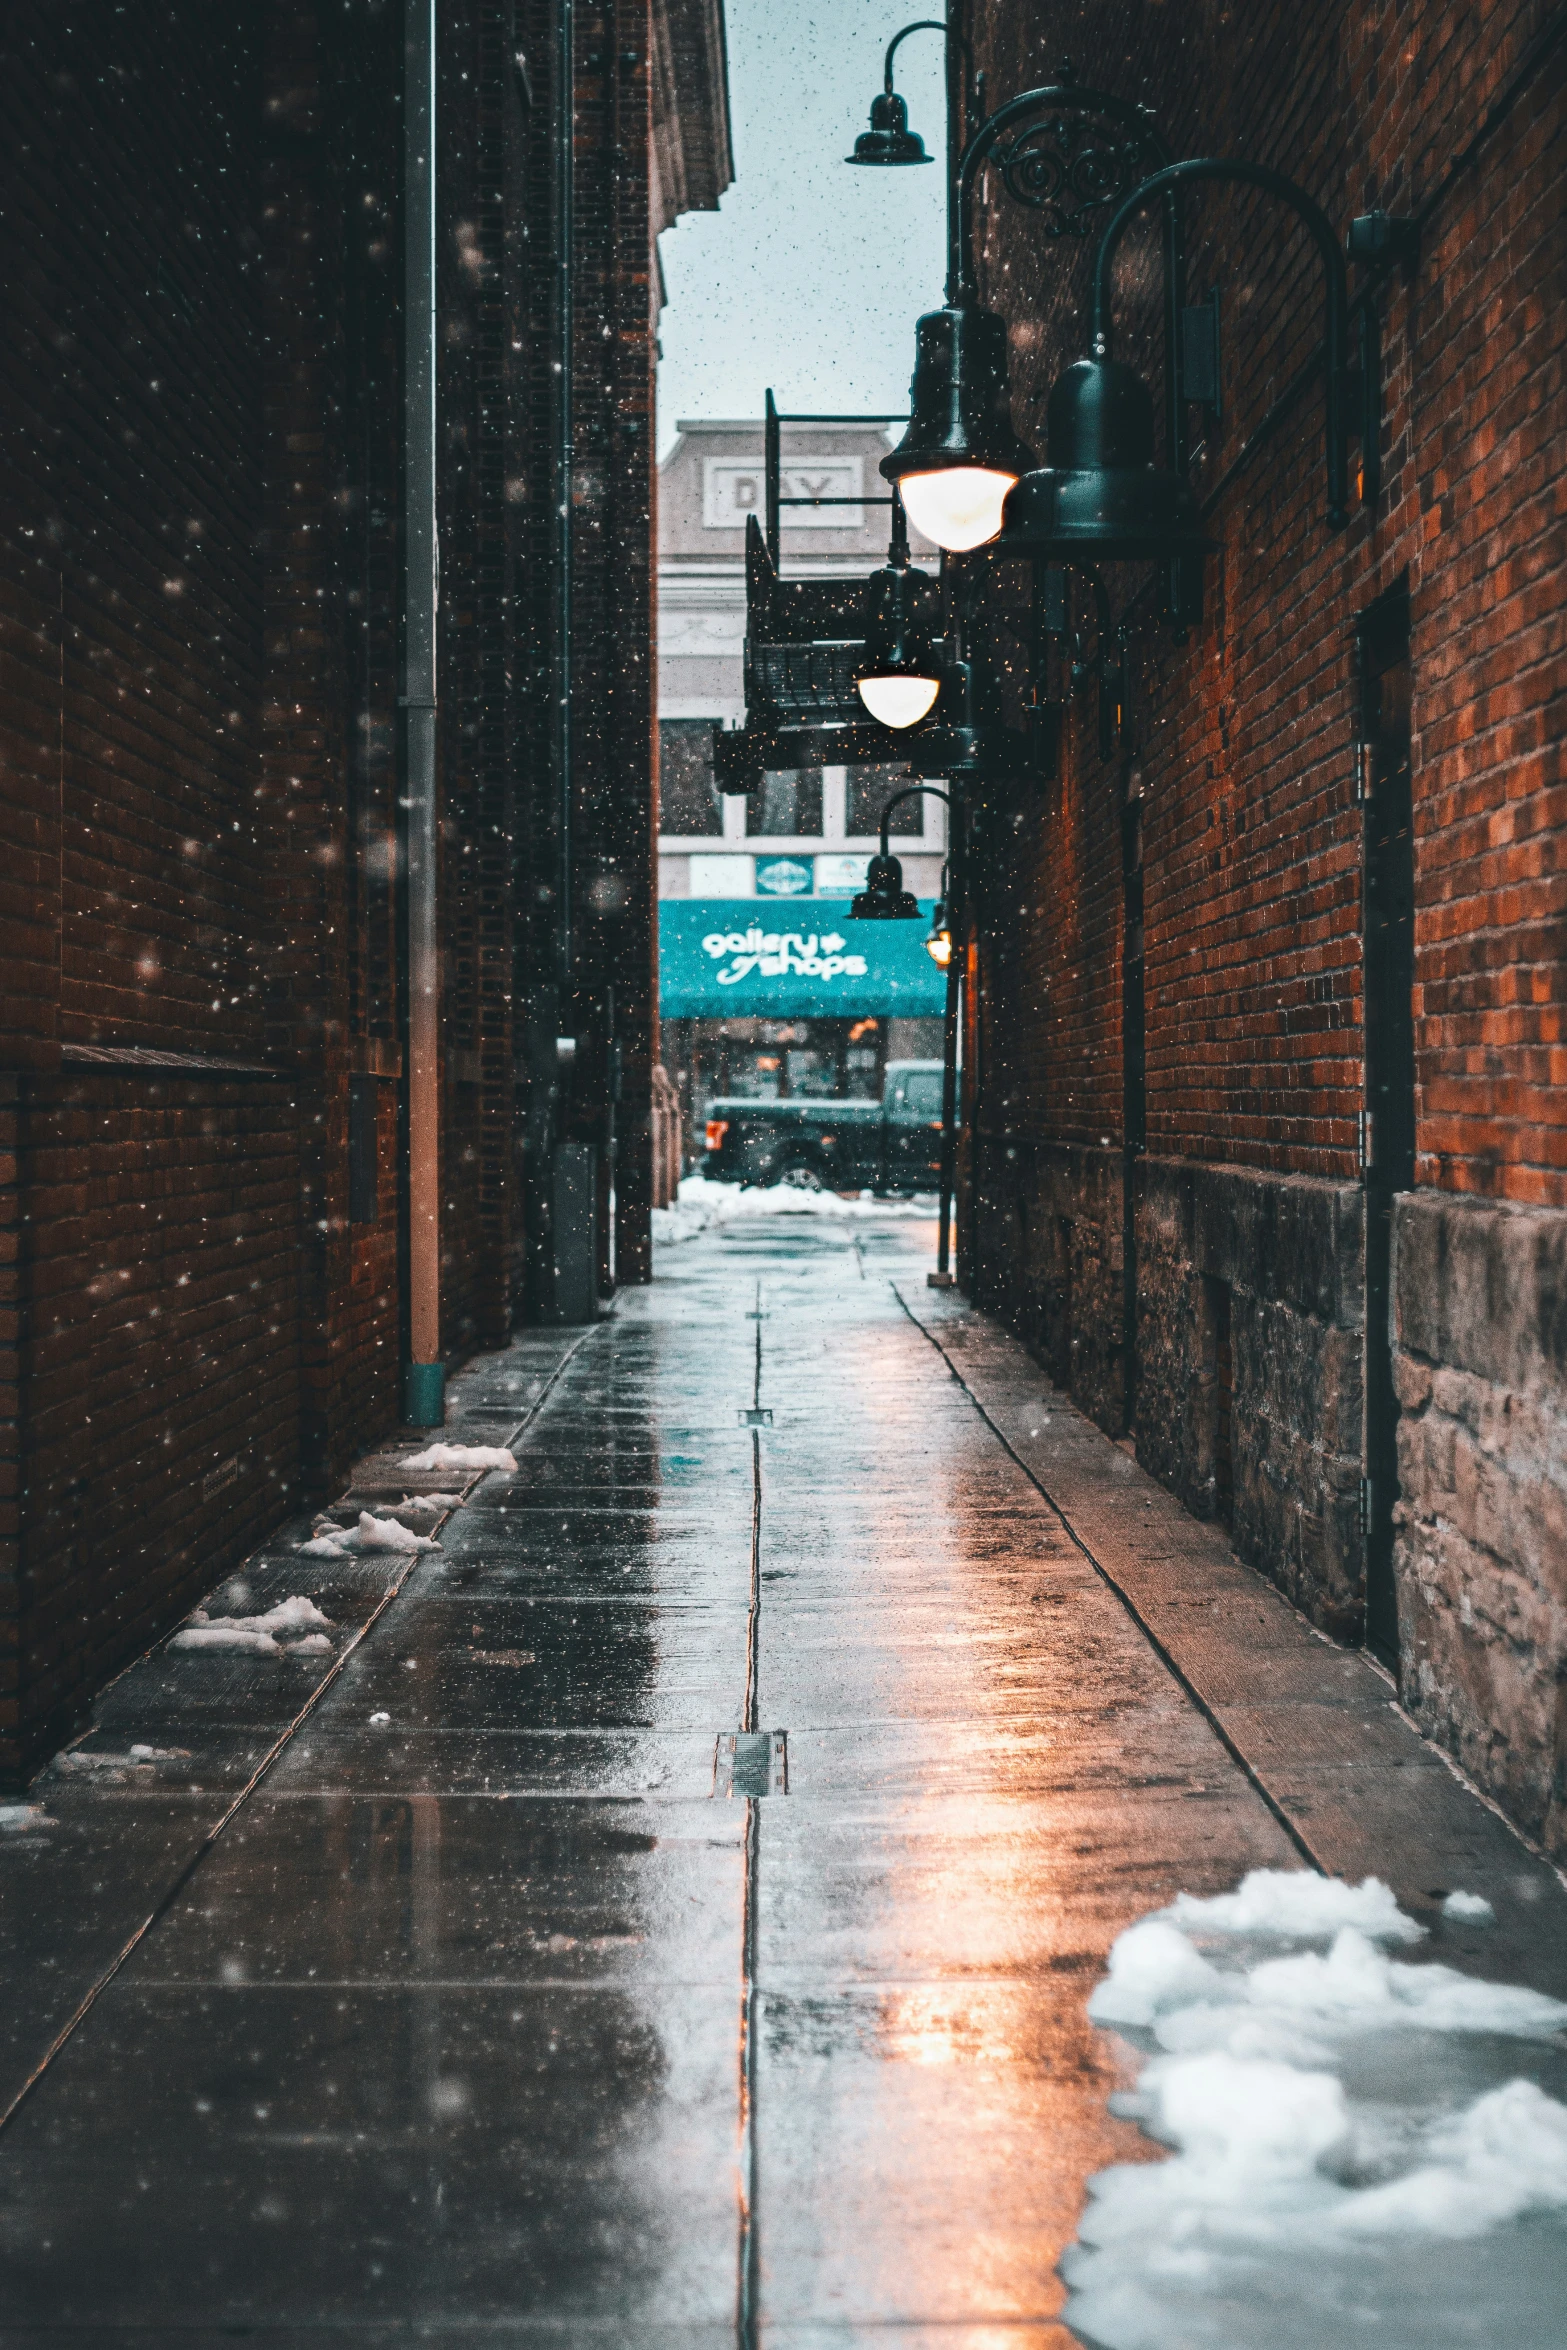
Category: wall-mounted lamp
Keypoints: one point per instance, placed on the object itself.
(1068, 151)
(884, 898)
(1102, 498)
(939, 944)
(899, 675)
(889, 139)
(959, 456)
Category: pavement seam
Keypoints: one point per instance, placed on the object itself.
(183, 1876)
(1111, 1582)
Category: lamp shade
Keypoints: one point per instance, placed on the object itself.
(884, 898)
(889, 139)
(898, 676)
(1101, 498)
(959, 456)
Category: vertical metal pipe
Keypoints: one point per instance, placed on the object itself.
(956, 54)
(565, 258)
(949, 1120)
(772, 461)
(424, 1379)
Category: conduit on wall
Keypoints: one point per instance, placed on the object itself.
(424, 1404)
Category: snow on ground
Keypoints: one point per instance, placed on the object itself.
(460, 1456)
(331, 1541)
(272, 1634)
(703, 1203)
(1363, 2147)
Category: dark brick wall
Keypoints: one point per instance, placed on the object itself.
(150, 1316)
(607, 998)
(201, 754)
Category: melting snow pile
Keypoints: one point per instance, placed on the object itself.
(331, 1541)
(1363, 2147)
(703, 1202)
(273, 1634)
(460, 1456)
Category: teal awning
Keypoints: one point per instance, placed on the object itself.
(795, 959)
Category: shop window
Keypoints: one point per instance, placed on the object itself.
(689, 804)
(788, 806)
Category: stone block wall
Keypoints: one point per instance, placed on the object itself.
(1048, 1258)
(1281, 1258)
(1480, 1334)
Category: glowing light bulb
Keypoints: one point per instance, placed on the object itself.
(958, 508)
(899, 701)
(939, 948)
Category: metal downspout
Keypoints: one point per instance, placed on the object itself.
(566, 198)
(424, 1374)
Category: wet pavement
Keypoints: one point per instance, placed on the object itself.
(667, 1913)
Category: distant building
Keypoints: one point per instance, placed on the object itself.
(806, 837)
(824, 817)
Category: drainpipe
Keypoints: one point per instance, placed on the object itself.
(424, 1378)
(565, 259)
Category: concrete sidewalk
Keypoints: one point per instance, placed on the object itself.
(503, 1977)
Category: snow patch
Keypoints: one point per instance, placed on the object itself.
(257, 1633)
(375, 1533)
(226, 1636)
(1332, 2130)
(459, 1456)
(704, 1202)
(1469, 1909)
(1299, 1906)
(323, 1546)
(17, 1818)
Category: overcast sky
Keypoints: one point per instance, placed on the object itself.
(811, 275)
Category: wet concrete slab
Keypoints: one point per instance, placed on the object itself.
(492, 2015)
(1318, 1726)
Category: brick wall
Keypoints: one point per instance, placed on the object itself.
(1236, 776)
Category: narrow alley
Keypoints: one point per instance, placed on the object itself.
(665, 1911)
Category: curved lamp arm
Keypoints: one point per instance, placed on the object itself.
(961, 284)
(912, 791)
(924, 24)
(1254, 175)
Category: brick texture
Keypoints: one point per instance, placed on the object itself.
(1211, 869)
(201, 1313)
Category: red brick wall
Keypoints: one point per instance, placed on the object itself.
(1252, 838)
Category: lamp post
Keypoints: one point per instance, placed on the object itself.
(884, 899)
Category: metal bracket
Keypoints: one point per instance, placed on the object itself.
(1378, 239)
(1361, 404)
(1366, 1143)
(1202, 378)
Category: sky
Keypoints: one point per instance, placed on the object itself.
(810, 275)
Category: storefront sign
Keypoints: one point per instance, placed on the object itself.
(726, 958)
(785, 877)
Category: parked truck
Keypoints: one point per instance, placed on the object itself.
(893, 1145)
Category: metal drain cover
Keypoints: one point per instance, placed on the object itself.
(751, 1762)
